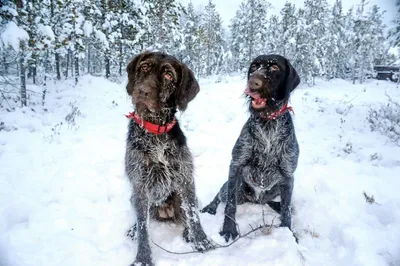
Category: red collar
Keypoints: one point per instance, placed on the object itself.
(280, 112)
(153, 128)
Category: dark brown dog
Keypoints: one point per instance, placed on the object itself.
(266, 153)
(157, 161)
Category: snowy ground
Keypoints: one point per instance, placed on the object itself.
(64, 199)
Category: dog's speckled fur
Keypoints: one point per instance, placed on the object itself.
(265, 155)
(160, 167)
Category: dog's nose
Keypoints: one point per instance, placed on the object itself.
(143, 92)
(255, 83)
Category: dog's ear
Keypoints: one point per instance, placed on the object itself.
(187, 88)
(132, 68)
(292, 78)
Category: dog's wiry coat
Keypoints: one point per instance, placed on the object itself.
(160, 167)
(265, 155)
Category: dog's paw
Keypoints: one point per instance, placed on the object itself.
(229, 230)
(199, 241)
(286, 223)
(211, 209)
(132, 232)
(204, 244)
(142, 263)
(186, 237)
(296, 238)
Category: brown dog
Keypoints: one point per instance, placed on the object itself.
(158, 162)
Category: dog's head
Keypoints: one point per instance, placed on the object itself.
(160, 83)
(270, 80)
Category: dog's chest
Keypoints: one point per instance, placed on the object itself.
(268, 143)
(165, 168)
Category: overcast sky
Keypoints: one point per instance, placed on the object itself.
(227, 8)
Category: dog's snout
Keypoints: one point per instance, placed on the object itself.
(143, 92)
(255, 83)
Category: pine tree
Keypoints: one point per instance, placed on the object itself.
(304, 54)
(336, 47)
(76, 45)
(23, 50)
(379, 49)
(287, 31)
(212, 38)
(162, 24)
(394, 33)
(191, 53)
(56, 24)
(363, 61)
(272, 38)
(316, 14)
(129, 23)
(92, 15)
(249, 29)
(237, 39)
(350, 44)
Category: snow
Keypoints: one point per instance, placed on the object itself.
(7, 9)
(46, 31)
(64, 199)
(12, 35)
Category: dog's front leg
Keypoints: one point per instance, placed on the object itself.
(286, 190)
(229, 228)
(195, 232)
(140, 202)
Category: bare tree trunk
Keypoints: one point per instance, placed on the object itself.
(76, 67)
(57, 56)
(46, 70)
(34, 69)
(71, 62)
(88, 58)
(22, 68)
(121, 57)
(107, 61)
(67, 66)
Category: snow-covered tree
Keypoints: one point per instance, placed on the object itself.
(249, 29)
(191, 53)
(211, 38)
(379, 48)
(336, 54)
(162, 24)
(271, 39)
(287, 31)
(316, 13)
(394, 33)
(363, 44)
(304, 53)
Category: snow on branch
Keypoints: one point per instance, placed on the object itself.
(12, 35)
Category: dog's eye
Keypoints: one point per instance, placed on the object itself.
(274, 68)
(253, 67)
(168, 76)
(145, 67)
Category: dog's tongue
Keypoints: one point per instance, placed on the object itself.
(258, 103)
(253, 95)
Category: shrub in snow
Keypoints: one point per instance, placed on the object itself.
(386, 120)
(70, 118)
(348, 148)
